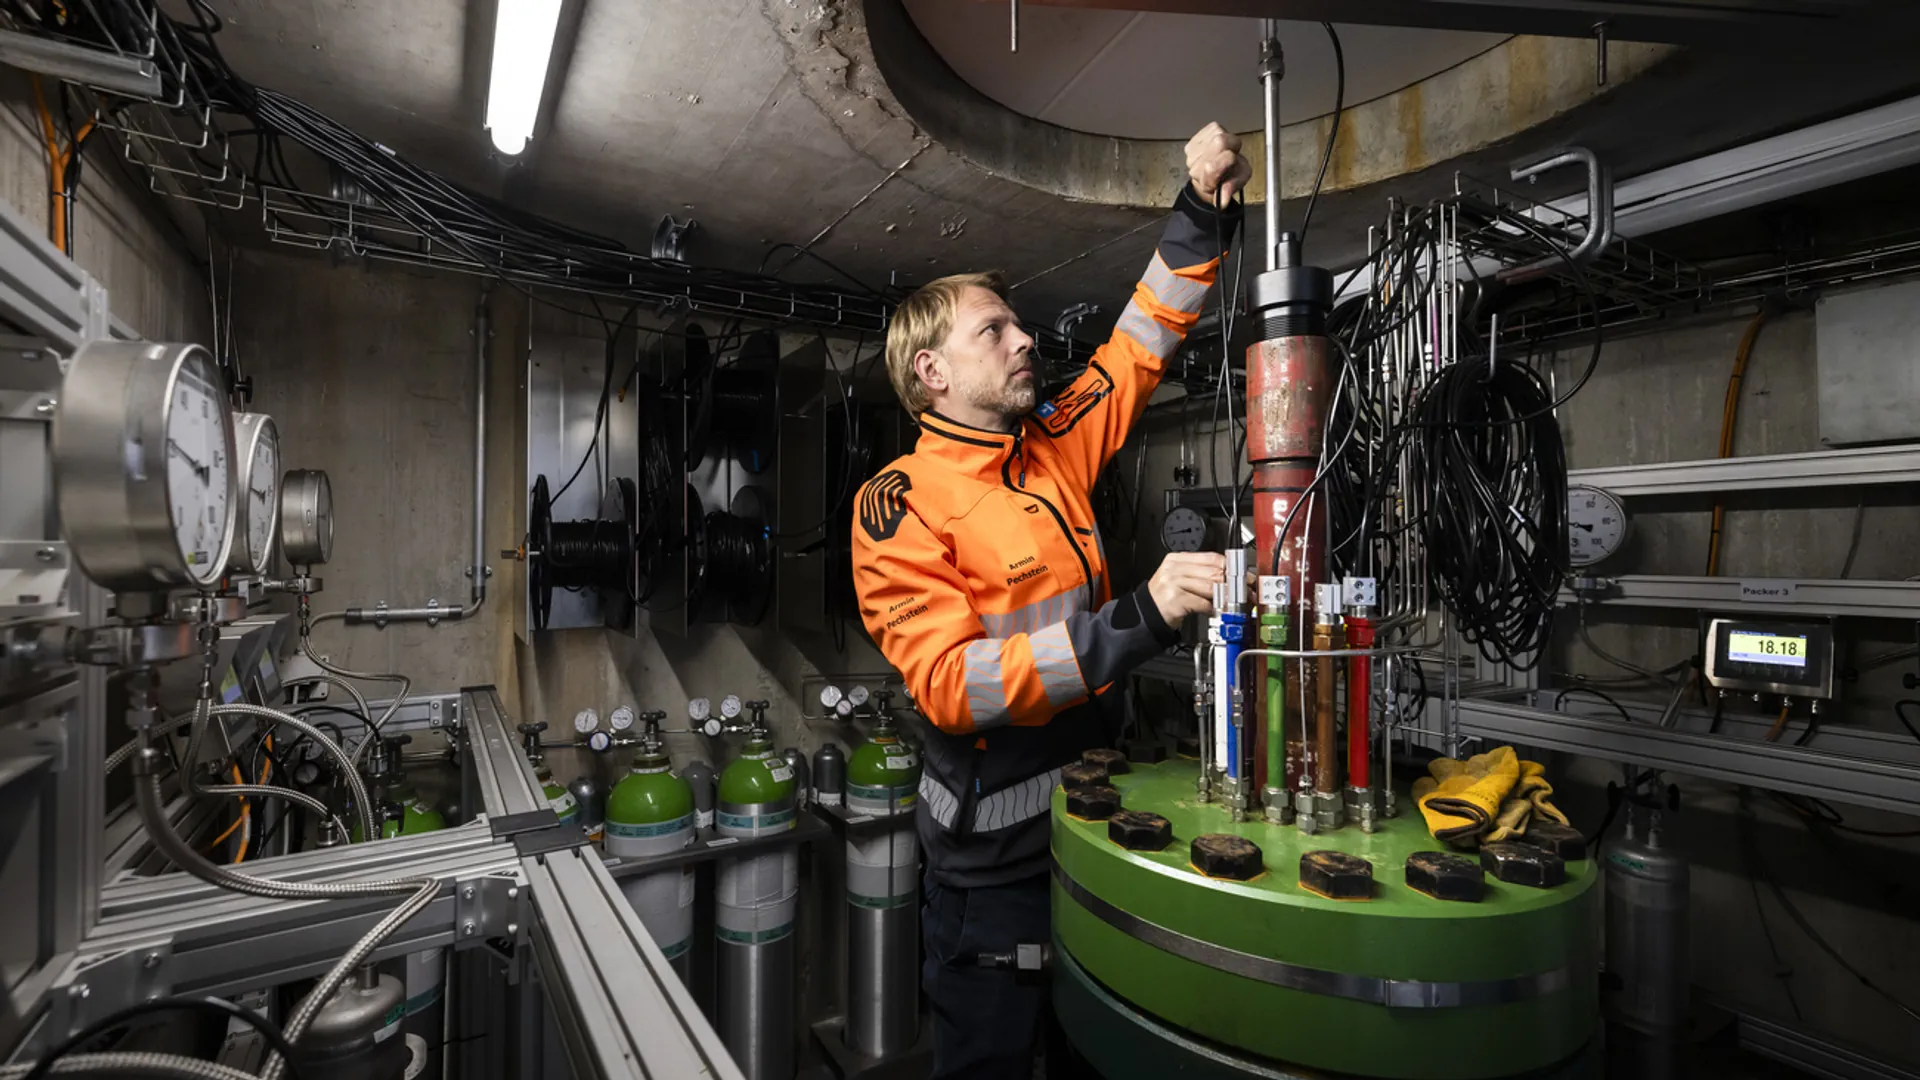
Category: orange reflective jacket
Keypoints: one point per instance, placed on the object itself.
(982, 578)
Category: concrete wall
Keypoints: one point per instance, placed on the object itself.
(150, 256)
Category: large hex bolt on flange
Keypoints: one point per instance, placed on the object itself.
(1520, 864)
(1446, 877)
(1137, 830)
(1336, 875)
(1218, 855)
(1563, 840)
(1113, 761)
(1093, 803)
(1082, 775)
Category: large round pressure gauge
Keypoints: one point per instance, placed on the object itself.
(1596, 525)
(1185, 529)
(258, 519)
(143, 466)
(306, 517)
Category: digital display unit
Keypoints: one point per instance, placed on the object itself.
(1770, 656)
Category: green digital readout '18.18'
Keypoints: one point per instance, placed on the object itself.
(1748, 647)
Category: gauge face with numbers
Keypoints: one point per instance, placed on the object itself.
(622, 718)
(198, 437)
(1185, 529)
(829, 696)
(730, 706)
(699, 709)
(586, 720)
(1596, 525)
(257, 441)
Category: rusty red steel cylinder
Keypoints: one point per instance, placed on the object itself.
(1289, 387)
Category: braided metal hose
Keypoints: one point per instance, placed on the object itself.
(136, 1063)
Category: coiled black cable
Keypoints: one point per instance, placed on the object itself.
(736, 565)
(1487, 451)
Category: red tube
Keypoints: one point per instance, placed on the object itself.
(1360, 704)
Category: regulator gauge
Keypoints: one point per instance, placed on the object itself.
(257, 521)
(844, 709)
(830, 697)
(599, 742)
(586, 721)
(1185, 529)
(698, 710)
(1596, 525)
(306, 517)
(730, 706)
(858, 696)
(712, 728)
(622, 718)
(143, 466)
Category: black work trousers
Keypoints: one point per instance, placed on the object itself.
(988, 1024)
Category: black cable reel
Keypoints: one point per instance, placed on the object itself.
(736, 408)
(731, 558)
(595, 554)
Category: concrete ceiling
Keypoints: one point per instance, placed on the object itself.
(1083, 69)
(768, 121)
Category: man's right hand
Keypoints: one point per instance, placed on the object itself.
(1184, 584)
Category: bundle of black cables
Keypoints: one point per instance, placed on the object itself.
(1483, 444)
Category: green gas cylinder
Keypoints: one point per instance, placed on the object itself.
(756, 897)
(883, 890)
(650, 812)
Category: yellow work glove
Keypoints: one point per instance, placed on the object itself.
(1460, 799)
(1512, 822)
(1534, 788)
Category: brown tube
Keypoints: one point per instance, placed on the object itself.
(1326, 767)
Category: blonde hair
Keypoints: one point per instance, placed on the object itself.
(923, 321)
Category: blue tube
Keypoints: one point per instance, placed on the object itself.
(1233, 636)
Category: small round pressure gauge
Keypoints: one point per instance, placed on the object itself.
(586, 721)
(1596, 525)
(830, 696)
(257, 523)
(844, 709)
(698, 710)
(1185, 529)
(730, 706)
(858, 696)
(622, 718)
(143, 466)
(306, 517)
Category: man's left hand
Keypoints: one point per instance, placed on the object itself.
(1217, 167)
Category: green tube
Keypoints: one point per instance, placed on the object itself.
(1273, 635)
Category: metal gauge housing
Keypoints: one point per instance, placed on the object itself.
(257, 521)
(698, 709)
(858, 696)
(1185, 529)
(306, 517)
(829, 696)
(1596, 525)
(730, 706)
(143, 466)
(585, 721)
(622, 718)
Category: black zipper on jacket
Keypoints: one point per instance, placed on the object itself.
(1006, 475)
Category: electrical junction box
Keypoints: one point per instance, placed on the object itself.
(1869, 365)
(1771, 656)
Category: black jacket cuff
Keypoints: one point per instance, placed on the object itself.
(1197, 233)
(1163, 635)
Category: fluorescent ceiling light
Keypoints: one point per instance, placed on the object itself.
(522, 46)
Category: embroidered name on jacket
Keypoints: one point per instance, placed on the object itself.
(1058, 416)
(883, 504)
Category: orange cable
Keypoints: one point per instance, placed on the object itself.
(1728, 415)
(1780, 725)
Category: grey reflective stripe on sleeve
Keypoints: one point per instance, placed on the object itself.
(938, 800)
(1032, 617)
(1024, 801)
(1178, 293)
(1059, 671)
(986, 694)
(1147, 330)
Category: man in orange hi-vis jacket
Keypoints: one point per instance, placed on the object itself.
(982, 578)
